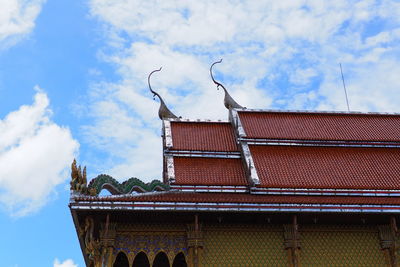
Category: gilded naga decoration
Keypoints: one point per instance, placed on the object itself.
(104, 181)
(229, 102)
(92, 245)
(79, 184)
(97, 244)
(78, 179)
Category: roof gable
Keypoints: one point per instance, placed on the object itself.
(209, 171)
(203, 136)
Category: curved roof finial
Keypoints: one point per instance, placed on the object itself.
(229, 102)
(163, 111)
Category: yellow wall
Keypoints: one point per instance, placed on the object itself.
(341, 246)
(244, 246)
(249, 245)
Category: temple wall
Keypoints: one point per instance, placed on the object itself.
(341, 246)
(249, 245)
(244, 246)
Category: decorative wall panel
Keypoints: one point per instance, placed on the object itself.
(151, 240)
(341, 246)
(244, 246)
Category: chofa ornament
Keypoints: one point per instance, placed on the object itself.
(229, 102)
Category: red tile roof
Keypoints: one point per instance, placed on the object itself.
(244, 198)
(321, 126)
(208, 171)
(327, 167)
(203, 136)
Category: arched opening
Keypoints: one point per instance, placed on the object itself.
(121, 260)
(179, 260)
(141, 260)
(161, 260)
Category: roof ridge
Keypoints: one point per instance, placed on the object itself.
(325, 112)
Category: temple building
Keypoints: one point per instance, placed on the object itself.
(265, 188)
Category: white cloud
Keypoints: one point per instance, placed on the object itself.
(276, 54)
(302, 76)
(17, 18)
(66, 263)
(35, 154)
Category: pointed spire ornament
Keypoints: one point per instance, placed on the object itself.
(229, 102)
(78, 178)
(163, 111)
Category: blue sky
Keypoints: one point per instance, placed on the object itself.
(73, 83)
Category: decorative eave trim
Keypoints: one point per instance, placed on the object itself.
(286, 191)
(202, 154)
(316, 111)
(237, 124)
(195, 120)
(321, 143)
(211, 188)
(249, 163)
(168, 133)
(325, 192)
(231, 207)
(170, 169)
(80, 239)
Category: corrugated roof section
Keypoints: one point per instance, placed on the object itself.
(208, 171)
(327, 167)
(203, 136)
(321, 126)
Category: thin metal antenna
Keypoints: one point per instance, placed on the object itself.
(344, 87)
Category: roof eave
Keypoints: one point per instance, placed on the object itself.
(77, 227)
